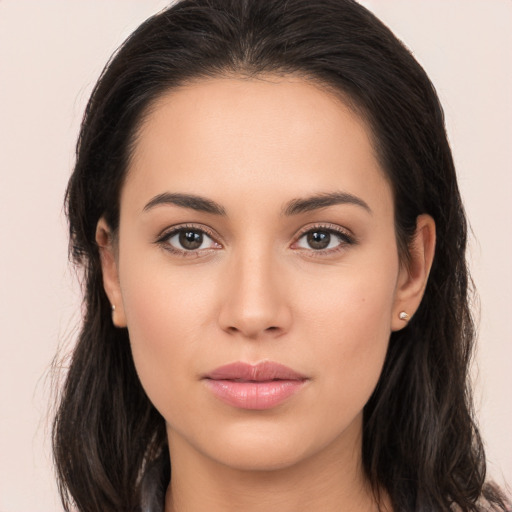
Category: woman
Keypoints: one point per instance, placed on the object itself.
(276, 313)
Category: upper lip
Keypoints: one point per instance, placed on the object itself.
(260, 372)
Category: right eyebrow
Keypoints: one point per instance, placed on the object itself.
(323, 200)
(201, 204)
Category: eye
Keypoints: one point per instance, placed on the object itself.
(323, 239)
(187, 239)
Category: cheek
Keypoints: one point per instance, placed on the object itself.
(354, 302)
(348, 323)
(166, 314)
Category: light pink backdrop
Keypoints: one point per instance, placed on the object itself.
(51, 53)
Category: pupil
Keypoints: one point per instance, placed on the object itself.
(191, 239)
(319, 239)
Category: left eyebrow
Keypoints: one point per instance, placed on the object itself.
(323, 200)
(193, 202)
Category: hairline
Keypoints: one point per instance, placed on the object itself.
(336, 93)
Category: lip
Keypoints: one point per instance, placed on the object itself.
(258, 387)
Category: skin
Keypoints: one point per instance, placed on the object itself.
(257, 290)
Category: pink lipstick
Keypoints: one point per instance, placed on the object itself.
(261, 386)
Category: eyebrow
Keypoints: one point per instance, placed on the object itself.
(293, 207)
(191, 201)
(323, 200)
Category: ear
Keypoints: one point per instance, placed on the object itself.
(109, 268)
(413, 276)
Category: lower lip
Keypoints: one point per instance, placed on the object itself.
(254, 395)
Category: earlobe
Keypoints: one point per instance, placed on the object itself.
(413, 277)
(109, 269)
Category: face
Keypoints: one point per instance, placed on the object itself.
(256, 270)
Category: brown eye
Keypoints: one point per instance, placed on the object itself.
(323, 240)
(183, 240)
(190, 240)
(318, 239)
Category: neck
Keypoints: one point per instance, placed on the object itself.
(332, 481)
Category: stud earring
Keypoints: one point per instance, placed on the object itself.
(403, 316)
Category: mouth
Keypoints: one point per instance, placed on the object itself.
(258, 387)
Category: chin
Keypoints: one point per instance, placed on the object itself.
(261, 457)
(268, 446)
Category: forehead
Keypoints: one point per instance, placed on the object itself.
(235, 135)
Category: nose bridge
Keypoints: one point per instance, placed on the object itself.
(254, 303)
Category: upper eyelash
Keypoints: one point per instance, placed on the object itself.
(169, 232)
(330, 228)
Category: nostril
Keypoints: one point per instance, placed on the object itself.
(235, 330)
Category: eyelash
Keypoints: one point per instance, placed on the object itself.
(345, 239)
(163, 240)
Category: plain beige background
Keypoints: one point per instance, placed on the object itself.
(51, 53)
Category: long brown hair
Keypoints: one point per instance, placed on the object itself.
(420, 442)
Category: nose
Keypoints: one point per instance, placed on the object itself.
(254, 299)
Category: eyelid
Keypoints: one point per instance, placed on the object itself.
(346, 237)
(170, 231)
